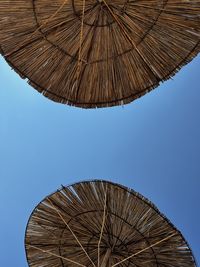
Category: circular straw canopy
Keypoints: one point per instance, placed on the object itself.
(102, 224)
(98, 53)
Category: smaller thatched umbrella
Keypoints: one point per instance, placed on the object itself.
(102, 224)
(98, 53)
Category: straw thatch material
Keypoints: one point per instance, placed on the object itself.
(98, 53)
(102, 224)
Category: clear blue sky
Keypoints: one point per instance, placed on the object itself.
(151, 145)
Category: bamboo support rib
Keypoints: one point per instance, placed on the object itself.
(102, 227)
(139, 252)
(131, 41)
(79, 63)
(55, 255)
(60, 215)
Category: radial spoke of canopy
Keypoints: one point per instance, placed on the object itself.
(55, 255)
(80, 49)
(74, 235)
(102, 227)
(131, 41)
(139, 252)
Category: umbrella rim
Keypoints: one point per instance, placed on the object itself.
(131, 191)
(101, 104)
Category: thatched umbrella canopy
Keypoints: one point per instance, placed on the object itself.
(98, 53)
(102, 224)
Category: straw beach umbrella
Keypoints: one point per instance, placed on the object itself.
(102, 224)
(98, 53)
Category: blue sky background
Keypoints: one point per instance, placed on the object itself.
(151, 145)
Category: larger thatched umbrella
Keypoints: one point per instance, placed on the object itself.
(98, 53)
(102, 224)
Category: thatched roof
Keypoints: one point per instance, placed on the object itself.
(98, 53)
(102, 224)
